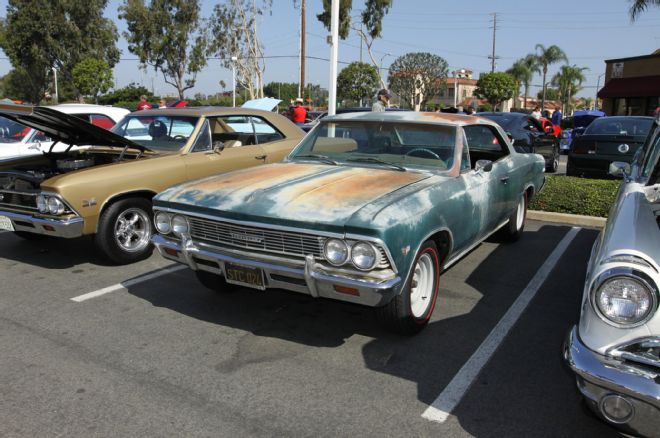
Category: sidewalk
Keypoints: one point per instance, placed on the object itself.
(569, 219)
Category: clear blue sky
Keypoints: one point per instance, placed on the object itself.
(589, 31)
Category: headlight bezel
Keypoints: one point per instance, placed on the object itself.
(185, 221)
(346, 246)
(625, 272)
(372, 247)
(169, 222)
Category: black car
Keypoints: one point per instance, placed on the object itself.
(528, 136)
(607, 139)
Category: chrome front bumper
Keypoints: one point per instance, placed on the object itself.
(308, 276)
(599, 376)
(66, 228)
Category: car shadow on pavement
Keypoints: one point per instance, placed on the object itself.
(50, 253)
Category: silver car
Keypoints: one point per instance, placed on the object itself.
(615, 348)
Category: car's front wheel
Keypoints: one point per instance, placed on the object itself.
(124, 231)
(410, 311)
(554, 163)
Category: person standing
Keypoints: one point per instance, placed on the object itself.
(536, 113)
(143, 104)
(556, 116)
(299, 113)
(382, 99)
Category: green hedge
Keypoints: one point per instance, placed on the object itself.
(567, 194)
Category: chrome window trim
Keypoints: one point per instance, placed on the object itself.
(624, 271)
(313, 233)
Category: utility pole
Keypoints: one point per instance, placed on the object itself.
(334, 49)
(301, 86)
(492, 56)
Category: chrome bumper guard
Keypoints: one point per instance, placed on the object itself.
(308, 276)
(66, 228)
(599, 376)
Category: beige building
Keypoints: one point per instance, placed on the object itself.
(632, 85)
(459, 88)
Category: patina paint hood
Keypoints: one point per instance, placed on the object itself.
(293, 191)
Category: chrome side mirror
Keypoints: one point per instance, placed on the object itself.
(35, 146)
(619, 169)
(483, 166)
(217, 146)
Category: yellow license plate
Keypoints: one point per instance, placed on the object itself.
(245, 276)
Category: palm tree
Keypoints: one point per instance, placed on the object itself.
(546, 57)
(523, 70)
(639, 6)
(568, 79)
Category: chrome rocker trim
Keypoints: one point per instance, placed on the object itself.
(66, 228)
(599, 376)
(308, 276)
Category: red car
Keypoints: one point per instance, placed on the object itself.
(548, 127)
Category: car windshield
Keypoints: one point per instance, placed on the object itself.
(619, 126)
(12, 132)
(389, 144)
(159, 133)
(506, 121)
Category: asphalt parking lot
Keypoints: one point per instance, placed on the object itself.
(163, 356)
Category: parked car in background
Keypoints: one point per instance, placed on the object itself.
(615, 348)
(360, 109)
(574, 126)
(369, 208)
(528, 136)
(549, 128)
(605, 140)
(17, 140)
(104, 188)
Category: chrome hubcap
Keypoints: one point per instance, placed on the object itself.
(520, 213)
(421, 290)
(132, 230)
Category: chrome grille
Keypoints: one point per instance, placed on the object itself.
(280, 242)
(18, 199)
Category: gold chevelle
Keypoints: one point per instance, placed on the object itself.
(105, 186)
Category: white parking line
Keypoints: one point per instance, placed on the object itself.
(442, 407)
(127, 283)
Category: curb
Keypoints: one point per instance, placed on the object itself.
(564, 218)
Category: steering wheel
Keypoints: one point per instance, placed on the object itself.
(426, 151)
(179, 137)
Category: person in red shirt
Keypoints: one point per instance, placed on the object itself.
(143, 104)
(299, 113)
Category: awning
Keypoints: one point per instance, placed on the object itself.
(647, 86)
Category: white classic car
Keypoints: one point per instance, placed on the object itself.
(615, 348)
(17, 140)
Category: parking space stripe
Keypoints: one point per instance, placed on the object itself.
(443, 406)
(127, 283)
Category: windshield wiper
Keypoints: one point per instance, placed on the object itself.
(318, 157)
(376, 161)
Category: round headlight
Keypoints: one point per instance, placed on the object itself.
(364, 255)
(179, 225)
(624, 300)
(55, 206)
(163, 222)
(335, 251)
(42, 206)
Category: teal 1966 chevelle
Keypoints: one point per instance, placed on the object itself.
(368, 208)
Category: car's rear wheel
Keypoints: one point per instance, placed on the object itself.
(410, 311)
(124, 231)
(214, 282)
(514, 228)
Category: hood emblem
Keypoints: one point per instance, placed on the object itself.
(246, 237)
(623, 148)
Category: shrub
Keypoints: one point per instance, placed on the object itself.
(567, 194)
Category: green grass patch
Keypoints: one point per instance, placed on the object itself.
(567, 194)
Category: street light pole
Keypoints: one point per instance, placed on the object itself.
(233, 80)
(334, 42)
(596, 95)
(55, 83)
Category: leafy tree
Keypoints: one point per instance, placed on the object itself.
(550, 94)
(417, 77)
(639, 6)
(234, 39)
(287, 91)
(495, 87)
(357, 81)
(371, 18)
(92, 76)
(523, 71)
(40, 35)
(129, 93)
(165, 35)
(547, 56)
(568, 80)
